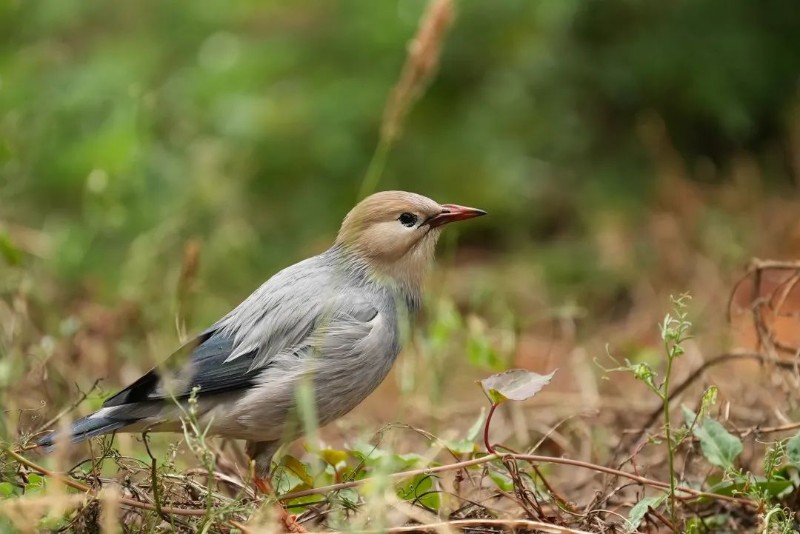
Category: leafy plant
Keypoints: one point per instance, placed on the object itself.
(674, 330)
(720, 447)
(515, 384)
(638, 511)
(793, 450)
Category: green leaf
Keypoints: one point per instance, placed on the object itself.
(772, 488)
(7, 489)
(367, 452)
(420, 489)
(8, 250)
(285, 481)
(773, 458)
(709, 400)
(516, 384)
(300, 504)
(467, 444)
(298, 468)
(689, 417)
(333, 457)
(409, 460)
(35, 485)
(481, 352)
(348, 497)
(793, 450)
(292, 476)
(477, 426)
(643, 372)
(446, 322)
(374, 457)
(710, 523)
(460, 446)
(720, 447)
(640, 509)
(502, 480)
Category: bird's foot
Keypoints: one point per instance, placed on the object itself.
(262, 485)
(288, 520)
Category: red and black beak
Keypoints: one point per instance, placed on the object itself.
(453, 212)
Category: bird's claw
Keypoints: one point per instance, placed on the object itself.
(289, 520)
(262, 485)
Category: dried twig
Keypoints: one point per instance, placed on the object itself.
(515, 524)
(688, 492)
(658, 515)
(155, 485)
(758, 430)
(186, 286)
(420, 66)
(91, 493)
(52, 422)
(766, 336)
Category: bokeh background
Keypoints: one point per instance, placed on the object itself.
(159, 160)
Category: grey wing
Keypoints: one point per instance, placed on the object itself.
(289, 309)
(278, 319)
(296, 313)
(198, 364)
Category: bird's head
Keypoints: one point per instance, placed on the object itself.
(395, 232)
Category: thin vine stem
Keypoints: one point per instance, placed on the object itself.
(486, 426)
(690, 492)
(668, 432)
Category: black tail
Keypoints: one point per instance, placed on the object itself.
(86, 428)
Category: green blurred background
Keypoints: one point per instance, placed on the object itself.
(128, 129)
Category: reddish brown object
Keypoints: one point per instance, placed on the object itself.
(289, 520)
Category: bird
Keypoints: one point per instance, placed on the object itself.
(334, 321)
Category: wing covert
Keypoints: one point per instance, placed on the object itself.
(220, 361)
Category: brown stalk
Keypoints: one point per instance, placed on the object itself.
(660, 517)
(186, 284)
(421, 64)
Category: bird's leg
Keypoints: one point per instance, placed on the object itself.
(262, 485)
(260, 454)
(289, 520)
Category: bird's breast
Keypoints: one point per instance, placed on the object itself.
(344, 361)
(343, 384)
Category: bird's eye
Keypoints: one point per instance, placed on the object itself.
(407, 219)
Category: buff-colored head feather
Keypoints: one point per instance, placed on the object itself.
(373, 233)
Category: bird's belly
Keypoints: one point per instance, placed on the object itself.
(342, 369)
(273, 410)
(338, 391)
